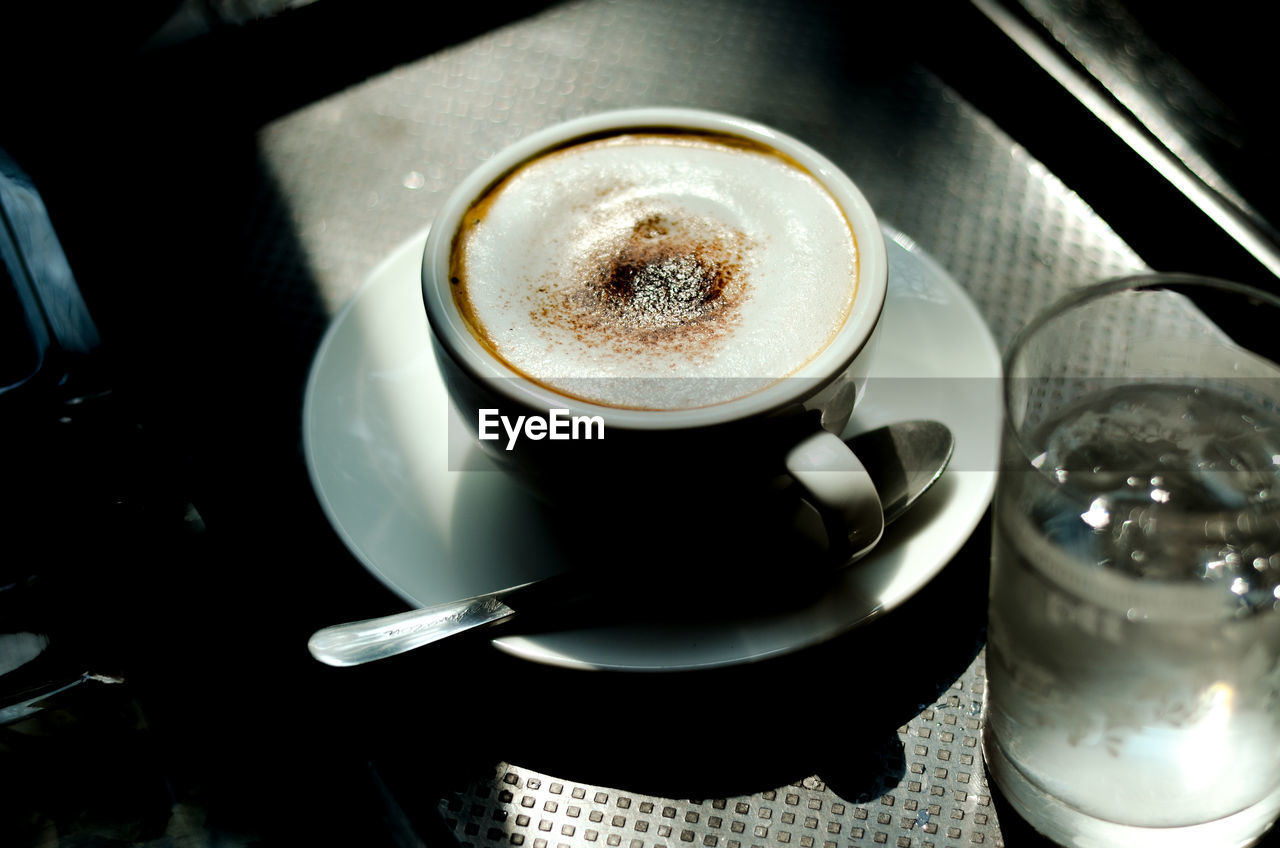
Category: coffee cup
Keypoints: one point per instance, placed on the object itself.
(654, 316)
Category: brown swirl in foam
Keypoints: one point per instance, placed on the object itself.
(670, 284)
(662, 286)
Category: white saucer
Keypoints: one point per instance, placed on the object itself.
(375, 425)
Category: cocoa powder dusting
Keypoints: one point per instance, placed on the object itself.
(670, 284)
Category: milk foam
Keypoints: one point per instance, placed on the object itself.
(656, 271)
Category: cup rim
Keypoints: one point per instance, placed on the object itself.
(452, 334)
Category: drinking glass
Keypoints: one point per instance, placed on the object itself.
(1133, 653)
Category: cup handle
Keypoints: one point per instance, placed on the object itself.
(835, 483)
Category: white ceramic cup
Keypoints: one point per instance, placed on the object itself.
(686, 459)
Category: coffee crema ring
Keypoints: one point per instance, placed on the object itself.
(663, 284)
(655, 270)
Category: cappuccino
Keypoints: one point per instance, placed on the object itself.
(655, 270)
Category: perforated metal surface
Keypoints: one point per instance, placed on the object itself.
(943, 798)
(363, 170)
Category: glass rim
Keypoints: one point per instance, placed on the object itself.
(1145, 281)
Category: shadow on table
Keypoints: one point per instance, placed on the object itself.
(833, 712)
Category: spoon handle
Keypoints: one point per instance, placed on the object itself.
(359, 642)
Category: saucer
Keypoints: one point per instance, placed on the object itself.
(376, 420)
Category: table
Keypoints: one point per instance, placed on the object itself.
(219, 212)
